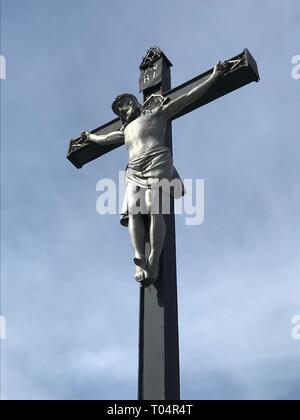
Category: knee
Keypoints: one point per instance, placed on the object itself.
(148, 200)
(154, 201)
(136, 206)
(132, 206)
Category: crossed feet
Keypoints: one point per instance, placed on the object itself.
(146, 270)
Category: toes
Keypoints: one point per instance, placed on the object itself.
(143, 274)
(140, 277)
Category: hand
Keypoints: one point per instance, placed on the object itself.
(220, 69)
(85, 135)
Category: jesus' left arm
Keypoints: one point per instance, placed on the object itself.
(170, 109)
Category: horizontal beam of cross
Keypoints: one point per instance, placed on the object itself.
(244, 71)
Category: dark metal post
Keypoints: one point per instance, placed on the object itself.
(158, 340)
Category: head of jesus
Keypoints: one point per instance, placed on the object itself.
(127, 107)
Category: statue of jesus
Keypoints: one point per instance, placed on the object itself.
(143, 132)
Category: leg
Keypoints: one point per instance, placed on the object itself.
(137, 234)
(137, 230)
(157, 234)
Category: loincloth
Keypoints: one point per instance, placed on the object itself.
(154, 166)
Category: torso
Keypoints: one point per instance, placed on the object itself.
(144, 133)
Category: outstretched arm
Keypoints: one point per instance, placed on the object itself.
(116, 137)
(174, 107)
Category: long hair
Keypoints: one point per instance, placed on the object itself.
(115, 104)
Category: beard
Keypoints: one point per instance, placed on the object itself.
(132, 115)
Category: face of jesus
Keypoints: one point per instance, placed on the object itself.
(129, 109)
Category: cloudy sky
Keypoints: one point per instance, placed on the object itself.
(67, 290)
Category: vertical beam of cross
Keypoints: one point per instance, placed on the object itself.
(158, 340)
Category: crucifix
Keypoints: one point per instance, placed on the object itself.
(147, 133)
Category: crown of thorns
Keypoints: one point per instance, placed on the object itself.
(120, 98)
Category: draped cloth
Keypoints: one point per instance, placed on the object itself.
(145, 171)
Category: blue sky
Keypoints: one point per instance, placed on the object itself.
(66, 275)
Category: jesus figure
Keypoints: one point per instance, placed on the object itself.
(150, 161)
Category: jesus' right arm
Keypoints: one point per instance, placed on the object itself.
(115, 137)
